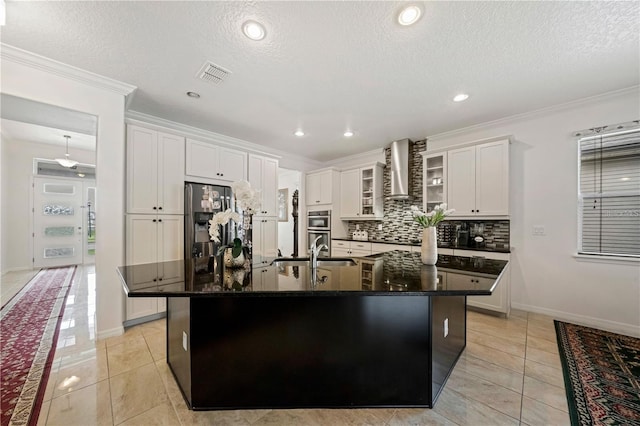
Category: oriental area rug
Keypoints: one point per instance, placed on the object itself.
(29, 325)
(601, 374)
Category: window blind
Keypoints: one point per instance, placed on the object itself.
(609, 193)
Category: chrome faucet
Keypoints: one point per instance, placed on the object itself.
(314, 251)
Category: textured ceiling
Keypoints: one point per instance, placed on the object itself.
(329, 66)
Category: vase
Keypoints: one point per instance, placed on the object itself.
(233, 262)
(429, 248)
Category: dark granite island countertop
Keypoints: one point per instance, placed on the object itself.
(384, 333)
(398, 273)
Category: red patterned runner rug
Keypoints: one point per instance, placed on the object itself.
(601, 375)
(29, 325)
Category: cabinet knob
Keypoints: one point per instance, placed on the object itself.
(317, 201)
(217, 174)
(159, 220)
(159, 208)
(154, 280)
(155, 208)
(154, 220)
(221, 174)
(159, 279)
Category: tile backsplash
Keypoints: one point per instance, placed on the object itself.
(397, 223)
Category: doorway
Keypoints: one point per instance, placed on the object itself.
(64, 221)
(288, 232)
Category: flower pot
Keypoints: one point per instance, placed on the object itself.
(429, 248)
(233, 262)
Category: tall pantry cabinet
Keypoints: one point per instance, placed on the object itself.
(155, 209)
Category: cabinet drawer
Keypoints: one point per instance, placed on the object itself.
(477, 253)
(356, 245)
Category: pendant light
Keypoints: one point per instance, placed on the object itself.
(65, 162)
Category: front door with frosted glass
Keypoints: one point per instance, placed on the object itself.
(58, 220)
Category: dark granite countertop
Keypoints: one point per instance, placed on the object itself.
(390, 273)
(488, 248)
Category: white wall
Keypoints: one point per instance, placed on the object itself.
(546, 278)
(28, 78)
(17, 170)
(289, 179)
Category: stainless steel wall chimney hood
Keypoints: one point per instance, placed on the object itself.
(400, 173)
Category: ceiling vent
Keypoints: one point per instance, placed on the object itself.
(212, 73)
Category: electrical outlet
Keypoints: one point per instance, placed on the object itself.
(357, 227)
(184, 341)
(380, 227)
(538, 230)
(446, 327)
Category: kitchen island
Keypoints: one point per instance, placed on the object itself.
(384, 333)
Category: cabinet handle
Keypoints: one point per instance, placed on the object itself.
(317, 201)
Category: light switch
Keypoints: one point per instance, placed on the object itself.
(538, 230)
(380, 227)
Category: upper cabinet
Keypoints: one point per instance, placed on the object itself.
(319, 187)
(155, 172)
(361, 193)
(435, 180)
(478, 179)
(263, 175)
(205, 160)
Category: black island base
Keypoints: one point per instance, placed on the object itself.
(282, 343)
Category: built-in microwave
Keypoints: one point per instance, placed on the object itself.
(319, 220)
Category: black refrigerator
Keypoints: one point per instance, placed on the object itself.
(201, 202)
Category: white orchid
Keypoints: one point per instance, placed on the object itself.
(247, 198)
(221, 218)
(432, 218)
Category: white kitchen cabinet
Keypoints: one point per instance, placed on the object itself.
(319, 187)
(155, 172)
(500, 299)
(383, 247)
(264, 279)
(263, 175)
(435, 180)
(151, 239)
(344, 248)
(218, 163)
(361, 193)
(478, 179)
(264, 245)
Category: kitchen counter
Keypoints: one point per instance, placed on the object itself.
(384, 333)
(415, 243)
(400, 272)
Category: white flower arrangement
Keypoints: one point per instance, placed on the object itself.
(248, 200)
(432, 218)
(221, 218)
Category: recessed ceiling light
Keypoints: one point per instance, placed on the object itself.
(193, 95)
(461, 97)
(348, 133)
(254, 30)
(299, 133)
(409, 15)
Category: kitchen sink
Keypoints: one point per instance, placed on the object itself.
(323, 261)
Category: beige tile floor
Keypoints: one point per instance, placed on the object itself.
(12, 282)
(509, 374)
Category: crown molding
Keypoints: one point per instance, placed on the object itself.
(161, 124)
(536, 113)
(337, 162)
(14, 54)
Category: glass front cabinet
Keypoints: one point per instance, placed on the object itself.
(434, 185)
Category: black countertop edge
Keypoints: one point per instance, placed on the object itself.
(312, 293)
(487, 249)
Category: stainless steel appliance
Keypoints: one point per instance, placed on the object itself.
(201, 202)
(319, 225)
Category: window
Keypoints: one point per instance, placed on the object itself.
(609, 191)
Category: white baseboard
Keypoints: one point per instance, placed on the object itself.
(602, 324)
(113, 332)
